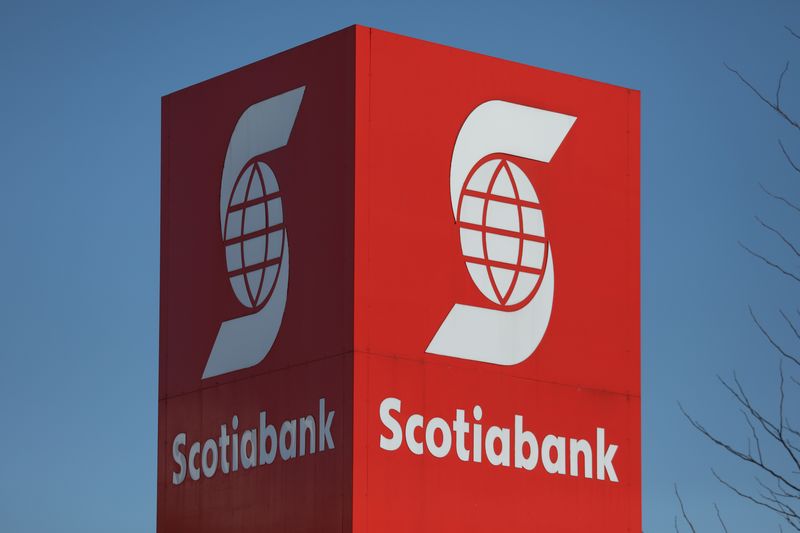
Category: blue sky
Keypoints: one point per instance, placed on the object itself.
(80, 87)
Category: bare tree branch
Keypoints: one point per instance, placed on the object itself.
(774, 105)
(755, 436)
(791, 518)
(788, 157)
(780, 86)
(721, 521)
(746, 457)
(769, 338)
(773, 444)
(791, 324)
(780, 198)
(788, 427)
(773, 430)
(683, 511)
(770, 263)
(779, 234)
(780, 407)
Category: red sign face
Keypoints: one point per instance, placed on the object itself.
(497, 296)
(400, 292)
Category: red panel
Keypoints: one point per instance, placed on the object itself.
(407, 492)
(315, 175)
(305, 493)
(410, 272)
(310, 357)
(376, 265)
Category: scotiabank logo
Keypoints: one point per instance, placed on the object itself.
(502, 232)
(254, 236)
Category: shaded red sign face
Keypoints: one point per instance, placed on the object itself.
(256, 305)
(400, 291)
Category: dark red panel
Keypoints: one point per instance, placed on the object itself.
(310, 358)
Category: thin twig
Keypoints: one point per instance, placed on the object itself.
(721, 521)
(769, 338)
(790, 517)
(780, 86)
(683, 511)
(780, 235)
(791, 324)
(788, 157)
(770, 263)
(780, 198)
(763, 98)
(737, 453)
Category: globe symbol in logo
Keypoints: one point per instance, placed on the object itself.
(502, 232)
(254, 234)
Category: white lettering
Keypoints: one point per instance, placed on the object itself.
(439, 436)
(460, 428)
(385, 410)
(209, 466)
(194, 451)
(307, 426)
(430, 437)
(494, 435)
(255, 447)
(521, 438)
(288, 429)
(583, 447)
(235, 446)
(180, 459)
(224, 440)
(325, 422)
(605, 457)
(248, 448)
(477, 434)
(550, 443)
(414, 422)
(266, 432)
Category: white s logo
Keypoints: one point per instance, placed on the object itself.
(255, 238)
(502, 233)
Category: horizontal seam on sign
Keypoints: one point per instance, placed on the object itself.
(273, 371)
(430, 361)
(253, 234)
(503, 199)
(503, 232)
